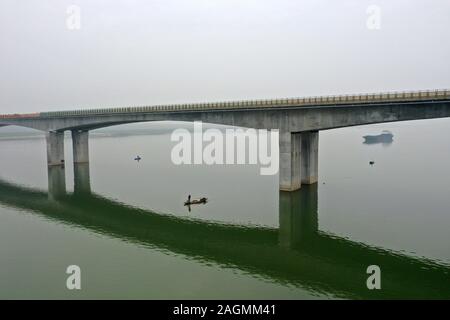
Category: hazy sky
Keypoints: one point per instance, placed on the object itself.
(143, 52)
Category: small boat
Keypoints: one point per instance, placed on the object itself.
(195, 201)
(371, 163)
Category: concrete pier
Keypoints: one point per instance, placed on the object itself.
(55, 148)
(310, 157)
(80, 142)
(56, 182)
(290, 161)
(299, 159)
(82, 181)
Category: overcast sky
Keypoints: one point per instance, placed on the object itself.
(143, 52)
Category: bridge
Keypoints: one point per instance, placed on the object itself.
(298, 120)
(297, 253)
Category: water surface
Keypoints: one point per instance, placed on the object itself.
(123, 222)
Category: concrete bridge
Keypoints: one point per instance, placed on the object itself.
(299, 120)
(297, 253)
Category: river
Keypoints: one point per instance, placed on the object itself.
(127, 229)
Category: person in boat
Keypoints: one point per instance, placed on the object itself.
(188, 203)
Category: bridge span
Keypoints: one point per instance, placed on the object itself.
(298, 120)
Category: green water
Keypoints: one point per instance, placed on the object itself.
(125, 225)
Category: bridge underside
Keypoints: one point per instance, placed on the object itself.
(298, 126)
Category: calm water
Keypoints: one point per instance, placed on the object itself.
(127, 228)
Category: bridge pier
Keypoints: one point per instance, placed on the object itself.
(290, 161)
(80, 142)
(299, 155)
(310, 157)
(55, 148)
(298, 216)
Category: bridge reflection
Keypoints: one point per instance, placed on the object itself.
(296, 254)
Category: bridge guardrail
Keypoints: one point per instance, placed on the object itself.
(246, 104)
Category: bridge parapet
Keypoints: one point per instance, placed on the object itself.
(20, 116)
(267, 103)
(369, 98)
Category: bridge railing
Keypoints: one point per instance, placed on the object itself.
(21, 115)
(427, 95)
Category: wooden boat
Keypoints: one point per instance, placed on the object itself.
(195, 201)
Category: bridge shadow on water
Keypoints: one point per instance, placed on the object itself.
(296, 254)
